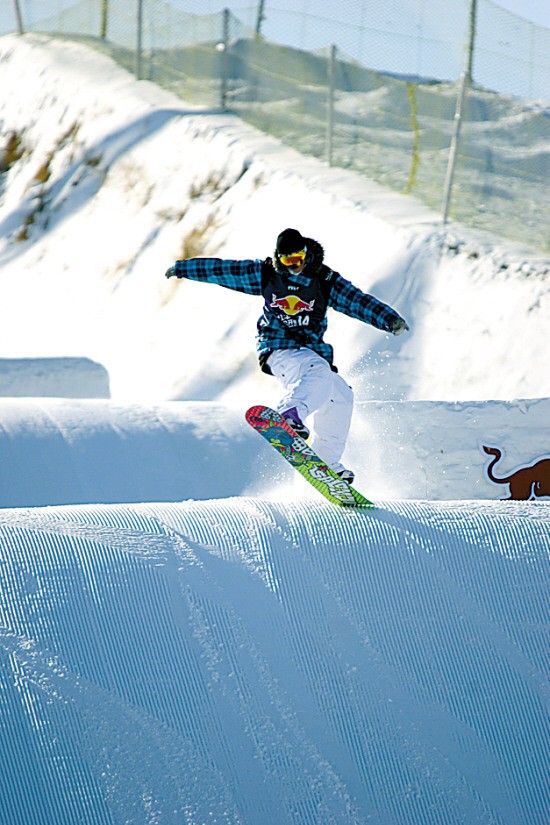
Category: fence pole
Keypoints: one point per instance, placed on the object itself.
(104, 16)
(330, 107)
(260, 18)
(465, 82)
(224, 57)
(18, 17)
(139, 38)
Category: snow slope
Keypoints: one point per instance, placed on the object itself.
(117, 178)
(246, 661)
(187, 633)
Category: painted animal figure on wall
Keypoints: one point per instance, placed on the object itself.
(528, 482)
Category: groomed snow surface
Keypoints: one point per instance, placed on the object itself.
(248, 661)
(189, 633)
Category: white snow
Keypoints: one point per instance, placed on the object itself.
(69, 451)
(136, 178)
(258, 662)
(53, 377)
(187, 633)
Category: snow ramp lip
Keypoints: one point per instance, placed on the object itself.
(253, 661)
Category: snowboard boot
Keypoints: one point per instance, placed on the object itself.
(296, 423)
(344, 473)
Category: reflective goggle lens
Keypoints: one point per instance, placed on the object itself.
(295, 259)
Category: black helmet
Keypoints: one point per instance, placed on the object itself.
(290, 241)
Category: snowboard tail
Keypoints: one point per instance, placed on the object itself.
(278, 432)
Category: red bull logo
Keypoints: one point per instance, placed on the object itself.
(527, 482)
(291, 305)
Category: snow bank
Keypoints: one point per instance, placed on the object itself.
(53, 377)
(72, 452)
(252, 662)
(434, 450)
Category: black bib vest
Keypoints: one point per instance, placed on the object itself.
(295, 306)
(299, 302)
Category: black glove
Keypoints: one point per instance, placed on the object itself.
(399, 326)
(171, 273)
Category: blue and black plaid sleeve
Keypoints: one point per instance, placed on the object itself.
(241, 276)
(348, 299)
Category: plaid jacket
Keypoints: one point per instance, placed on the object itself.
(250, 277)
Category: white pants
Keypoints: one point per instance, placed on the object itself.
(314, 389)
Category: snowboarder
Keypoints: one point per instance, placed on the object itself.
(298, 288)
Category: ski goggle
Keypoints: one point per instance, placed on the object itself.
(295, 259)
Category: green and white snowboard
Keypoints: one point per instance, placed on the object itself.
(294, 449)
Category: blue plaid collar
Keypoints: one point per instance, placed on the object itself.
(299, 280)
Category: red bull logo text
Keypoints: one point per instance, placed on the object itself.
(291, 305)
(294, 310)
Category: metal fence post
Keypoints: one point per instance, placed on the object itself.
(224, 56)
(465, 81)
(104, 17)
(260, 18)
(330, 107)
(139, 38)
(18, 17)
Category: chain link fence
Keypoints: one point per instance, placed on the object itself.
(451, 105)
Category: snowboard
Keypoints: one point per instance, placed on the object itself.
(279, 433)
